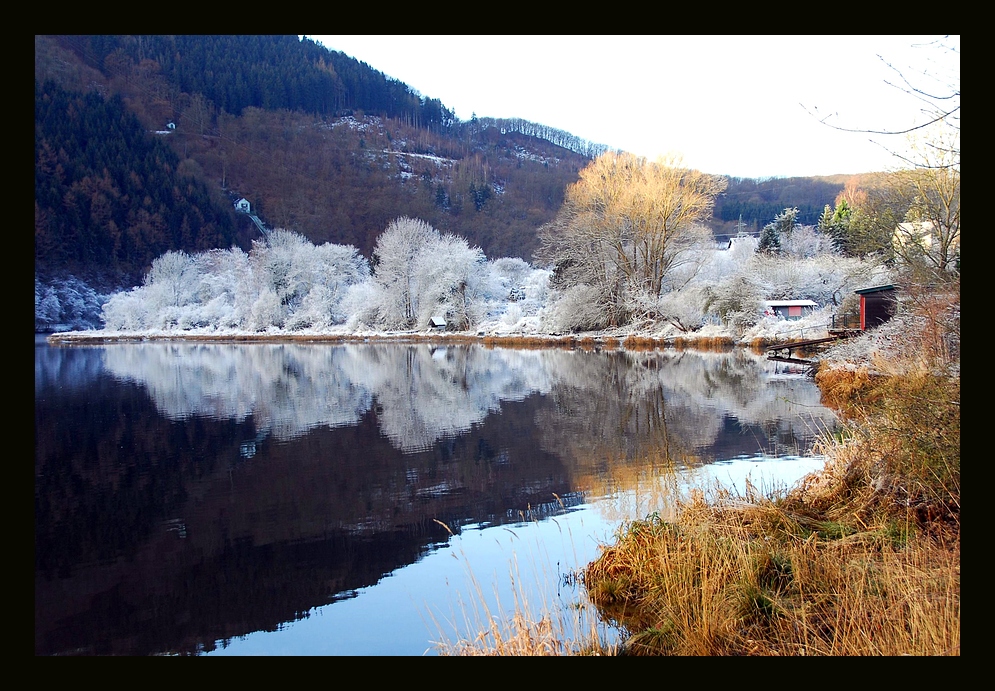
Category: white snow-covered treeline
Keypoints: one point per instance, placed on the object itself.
(68, 303)
(290, 285)
(416, 274)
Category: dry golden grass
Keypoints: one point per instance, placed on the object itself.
(707, 343)
(525, 635)
(841, 387)
(634, 342)
(757, 578)
(759, 345)
(527, 342)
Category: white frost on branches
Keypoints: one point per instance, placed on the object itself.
(289, 285)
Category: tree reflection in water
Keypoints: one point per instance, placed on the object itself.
(191, 493)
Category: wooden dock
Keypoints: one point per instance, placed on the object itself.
(782, 351)
(789, 345)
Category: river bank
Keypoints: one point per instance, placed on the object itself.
(712, 339)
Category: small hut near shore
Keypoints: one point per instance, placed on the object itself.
(789, 309)
(877, 305)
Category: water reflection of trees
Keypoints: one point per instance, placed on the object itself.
(648, 409)
(154, 532)
(676, 409)
(425, 393)
(355, 451)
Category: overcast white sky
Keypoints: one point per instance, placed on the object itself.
(731, 105)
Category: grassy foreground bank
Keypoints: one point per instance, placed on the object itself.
(862, 558)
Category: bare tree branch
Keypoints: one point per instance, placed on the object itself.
(938, 109)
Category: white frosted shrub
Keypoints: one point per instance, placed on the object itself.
(515, 291)
(577, 308)
(288, 284)
(217, 314)
(360, 305)
(395, 254)
(266, 311)
(512, 315)
(47, 305)
(314, 311)
(534, 290)
(224, 279)
(171, 282)
(686, 309)
(736, 301)
(450, 281)
(125, 311)
(806, 242)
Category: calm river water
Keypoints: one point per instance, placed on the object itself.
(368, 499)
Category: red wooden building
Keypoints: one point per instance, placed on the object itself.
(877, 305)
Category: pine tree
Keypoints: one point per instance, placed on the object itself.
(836, 224)
(770, 240)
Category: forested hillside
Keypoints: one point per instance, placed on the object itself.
(110, 197)
(143, 143)
(757, 202)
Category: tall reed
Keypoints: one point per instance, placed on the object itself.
(530, 624)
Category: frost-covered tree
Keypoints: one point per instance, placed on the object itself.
(124, 311)
(735, 301)
(169, 287)
(517, 292)
(285, 284)
(577, 308)
(805, 242)
(227, 287)
(687, 309)
(361, 304)
(420, 274)
(67, 302)
(826, 278)
(47, 305)
(394, 273)
(323, 275)
(449, 282)
(770, 240)
(778, 231)
(930, 235)
(162, 300)
(626, 226)
(292, 284)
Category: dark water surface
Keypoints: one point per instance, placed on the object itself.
(367, 499)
